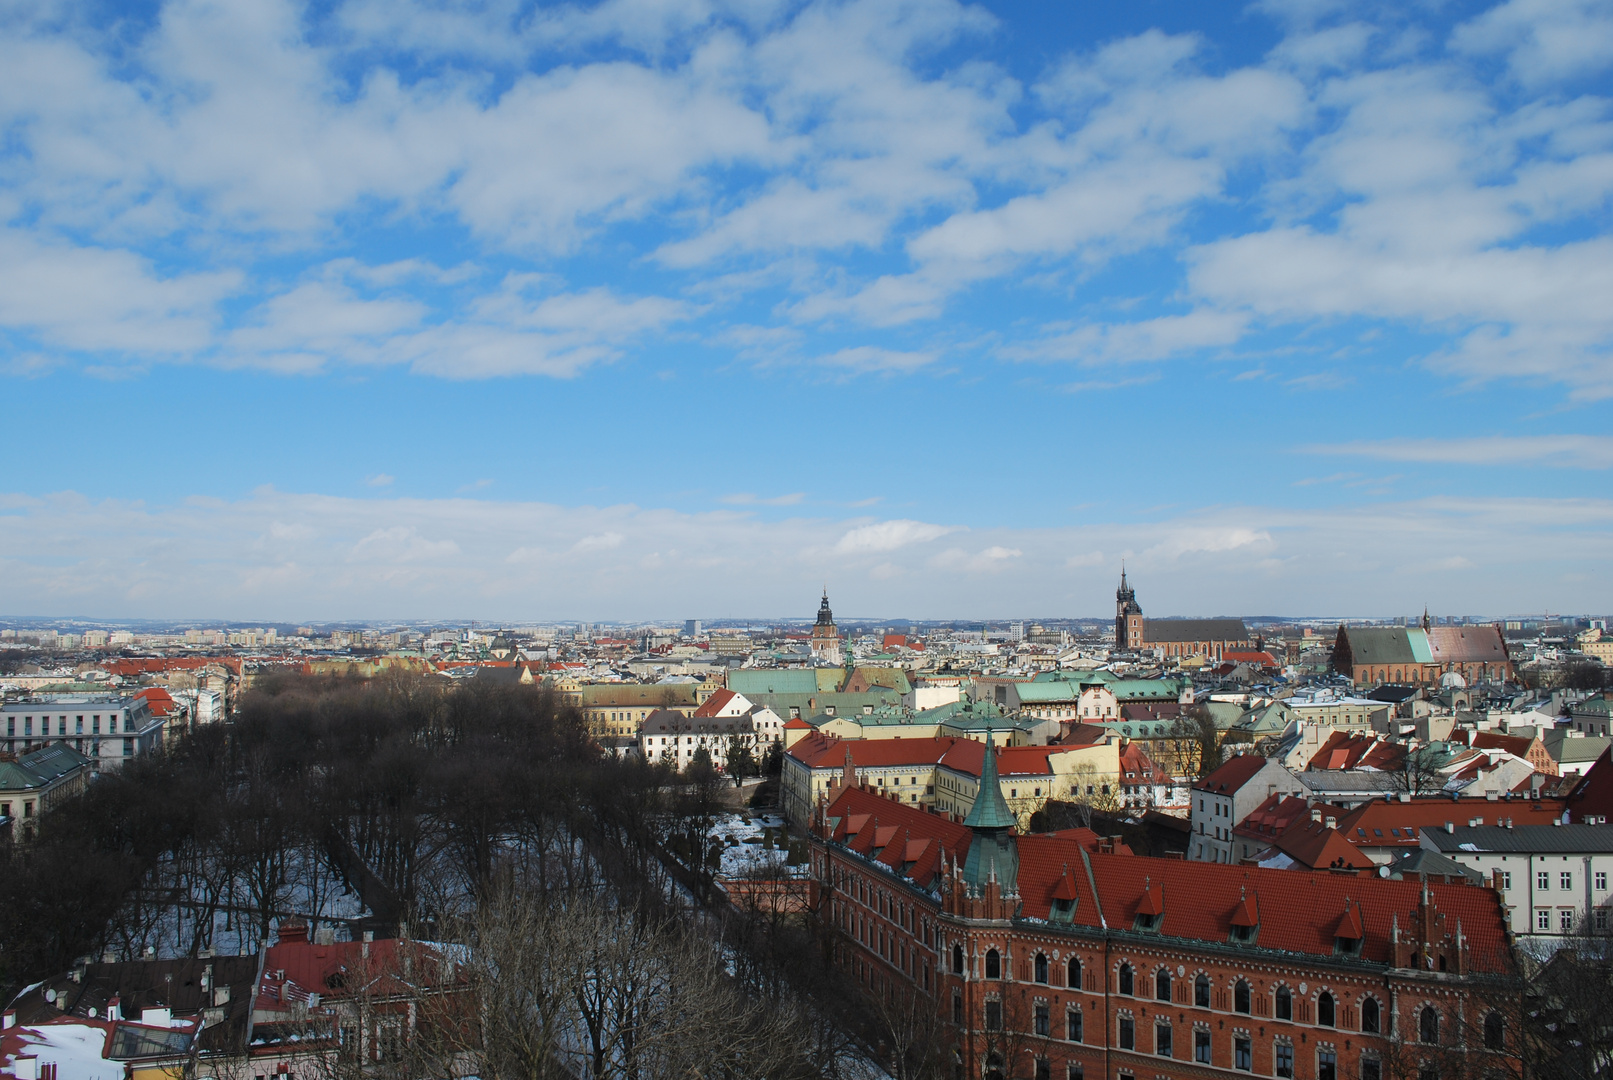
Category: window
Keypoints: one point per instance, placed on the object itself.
(1044, 1069)
(1073, 1026)
(1075, 1072)
(1324, 1009)
(994, 1015)
(1128, 1033)
(1565, 919)
(1041, 967)
(1370, 1021)
(1601, 918)
(1162, 1040)
(1428, 1025)
(1495, 1032)
(1285, 1003)
(1201, 1046)
(1201, 991)
(1162, 985)
(1126, 982)
(1371, 1069)
(1543, 918)
(1042, 1026)
(1073, 974)
(1327, 1065)
(1285, 1060)
(1240, 997)
(1543, 880)
(957, 959)
(1241, 1057)
(994, 964)
(957, 1007)
(1506, 879)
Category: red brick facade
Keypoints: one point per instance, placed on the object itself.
(1095, 964)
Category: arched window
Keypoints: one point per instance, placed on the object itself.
(1240, 996)
(1285, 1003)
(957, 959)
(994, 1066)
(1428, 1025)
(1324, 1009)
(1162, 985)
(1495, 1032)
(1201, 991)
(1073, 974)
(994, 964)
(1126, 985)
(1370, 1021)
(1041, 967)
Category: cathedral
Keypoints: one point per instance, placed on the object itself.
(1172, 637)
(825, 635)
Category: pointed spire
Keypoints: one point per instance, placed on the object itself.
(990, 810)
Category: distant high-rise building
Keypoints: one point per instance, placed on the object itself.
(691, 628)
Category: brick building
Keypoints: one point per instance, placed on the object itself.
(1173, 638)
(1421, 656)
(1056, 955)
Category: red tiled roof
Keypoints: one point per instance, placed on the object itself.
(795, 723)
(867, 822)
(1232, 775)
(1593, 795)
(1251, 658)
(714, 704)
(161, 701)
(1200, 901)
(1516, 745)
(1271, 819)
(1343, 750)
(148, 665)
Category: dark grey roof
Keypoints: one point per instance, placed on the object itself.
(1379, 645)
(1189, 630)
(671, 722)
(1528, 839)
(1432, 863)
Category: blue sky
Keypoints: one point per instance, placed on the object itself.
(657, 309)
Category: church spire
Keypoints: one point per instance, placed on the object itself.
(990, 810)
(993, 851)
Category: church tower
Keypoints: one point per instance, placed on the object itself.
(1128, 617)
(825, 635)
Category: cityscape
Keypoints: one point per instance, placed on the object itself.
(806, 540)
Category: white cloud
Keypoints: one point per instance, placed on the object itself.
(1148, 339)
(1569, 451)
(380, 480)
(102, 299)
(890, 535)
(295, 556)
(1543, 40)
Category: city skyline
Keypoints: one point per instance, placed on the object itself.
(599, 312)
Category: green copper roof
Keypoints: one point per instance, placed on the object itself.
(993, 852)
(990, 810)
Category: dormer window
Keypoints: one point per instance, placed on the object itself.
(1146, 922)
(1244, 935)
(1344, 946)
(1062, 911)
